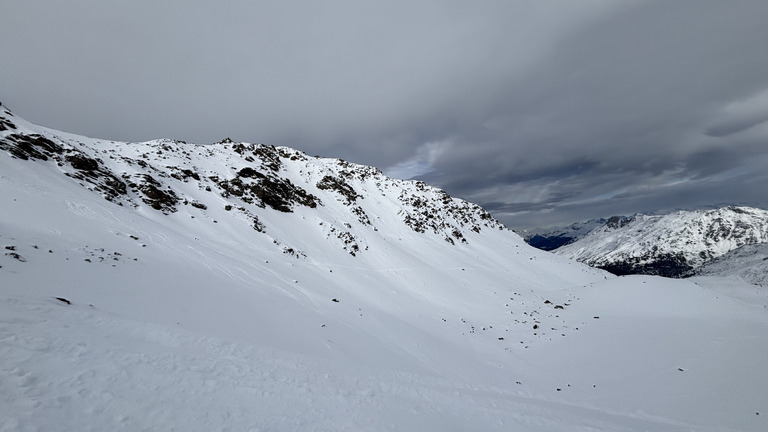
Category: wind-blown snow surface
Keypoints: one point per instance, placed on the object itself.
(669, 245)
(194, 320)
(749, 262)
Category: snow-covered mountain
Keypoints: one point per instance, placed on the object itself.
(237, 181)
(233, 286)
(670, 245)
(553, 237)
(748, 262)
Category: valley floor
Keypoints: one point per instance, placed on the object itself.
(671, 366)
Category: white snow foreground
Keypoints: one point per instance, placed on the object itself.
(176, 322)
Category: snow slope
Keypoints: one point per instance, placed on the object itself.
(670, 245)
(748, 262)
(182, 317)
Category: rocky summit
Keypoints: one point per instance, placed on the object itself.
(255, 182)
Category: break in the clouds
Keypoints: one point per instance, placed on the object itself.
(421, 163)
(545, 112)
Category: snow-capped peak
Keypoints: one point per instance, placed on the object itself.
(669, 245)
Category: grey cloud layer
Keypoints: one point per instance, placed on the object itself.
(546, 112)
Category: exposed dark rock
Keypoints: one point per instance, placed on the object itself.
(269, 191)
(340, 186)
(6, 124)
(190, 173)
(249, 172)
(32, 146)
(16, 256)
(183, 174)
(295, 155)
(232, 187)
(158, 199)
(269, 156)
(667, 265)
(103, 180)
(618, 221)
(362, 217)
(82, 162)
(444, 215)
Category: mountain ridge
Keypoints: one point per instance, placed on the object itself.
(551, 238)
(252, 176)
(672, 245)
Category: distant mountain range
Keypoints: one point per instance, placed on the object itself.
(673, 245)
(552, 238)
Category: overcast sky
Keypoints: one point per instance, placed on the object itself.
(544, 112)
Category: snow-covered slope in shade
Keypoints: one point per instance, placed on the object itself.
(749, 262)
(669, 245)
(385, 305)
(554, 237)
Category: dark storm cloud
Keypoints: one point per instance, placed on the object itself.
(654, 107)
(546, 112)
